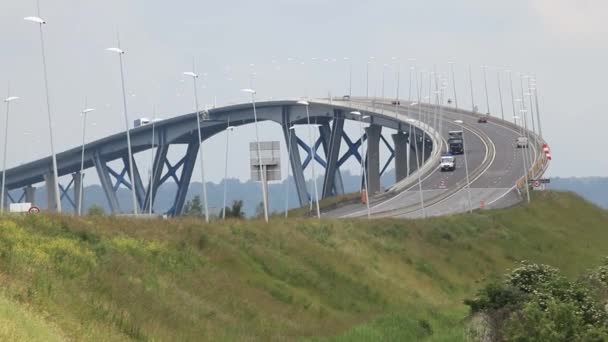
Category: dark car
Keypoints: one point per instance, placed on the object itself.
(482, 119)
(396, 102)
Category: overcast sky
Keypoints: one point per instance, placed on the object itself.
(563, 42)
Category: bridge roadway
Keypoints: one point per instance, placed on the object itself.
(495, 165)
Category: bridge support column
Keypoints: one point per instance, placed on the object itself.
(186, 176)
(294, 157)
(78, 178)
(373, 158)
(332, 139)
(140, 193)
(159, 163)
(106, 183)
(415, 145)
(50, 192)
(401, 153)
(30, 194)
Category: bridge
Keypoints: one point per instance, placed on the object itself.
(496, 166)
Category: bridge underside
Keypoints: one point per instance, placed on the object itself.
(330, 151)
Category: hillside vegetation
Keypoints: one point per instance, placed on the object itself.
(112, 279)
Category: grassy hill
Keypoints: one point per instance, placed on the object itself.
(115, 279)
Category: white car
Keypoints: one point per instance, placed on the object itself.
(448, 163)
(522, 142)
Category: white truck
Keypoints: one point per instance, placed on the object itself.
(141, 122)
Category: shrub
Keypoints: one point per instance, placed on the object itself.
(96, 210)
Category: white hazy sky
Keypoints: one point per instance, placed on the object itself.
(563, 42)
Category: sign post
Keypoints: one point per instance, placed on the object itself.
(269, 163)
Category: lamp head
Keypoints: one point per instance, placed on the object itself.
(36, 20)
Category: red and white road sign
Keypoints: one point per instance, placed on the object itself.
(547, 151)
(33, 210)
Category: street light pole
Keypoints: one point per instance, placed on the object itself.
(120, 53)
(228, 130)
(313, 154)
(257, 138)
(472, 94)
(200, 140)
(418, 158)
(502, 108)
(8, 100)
(454, 84)
(152, 144)
(289, 129)
(41, 22)
(84, 126)
(512, 94)
(363, 161)
(466, 163)
(485, 81)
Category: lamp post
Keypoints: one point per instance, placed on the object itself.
(472, 95)
(485, 82)
(40, 22)
(363, 161)
(8, 100)
(289, 129)
(152, 144)
(120, 53)
(454, 84)
(370, 61)
(411, 121)
(466, 163)
(512, 94)
(84, 126)
(257, 138)
(200, 140)
(502, 108)
(313, 154)
(350, 75)
(229, 129)
(523, 157)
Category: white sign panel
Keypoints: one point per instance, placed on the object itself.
(269, 159)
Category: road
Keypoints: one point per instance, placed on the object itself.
(495, 165)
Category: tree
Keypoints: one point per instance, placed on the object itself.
(96, 210)
(259, 210)
(194, 207)
(235, 211)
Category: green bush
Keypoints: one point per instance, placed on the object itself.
(536, 303)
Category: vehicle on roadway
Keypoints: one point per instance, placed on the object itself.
(140, 122)
(455, 135)
(483, 119)
(396, 102)
(456, 146)
(455, 142)
(522, 142)
(448, 162)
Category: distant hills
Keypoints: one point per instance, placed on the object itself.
(594, 189)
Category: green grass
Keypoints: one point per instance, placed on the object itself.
(109, 279)
(17, 323)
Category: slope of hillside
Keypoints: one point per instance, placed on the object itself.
(122, 279)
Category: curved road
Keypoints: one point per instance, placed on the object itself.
(495, 166)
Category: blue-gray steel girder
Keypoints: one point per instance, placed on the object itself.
(332, 140)
(157, 171)
(186, 175)
(106, 183)
(294, 156)
(140, 193)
